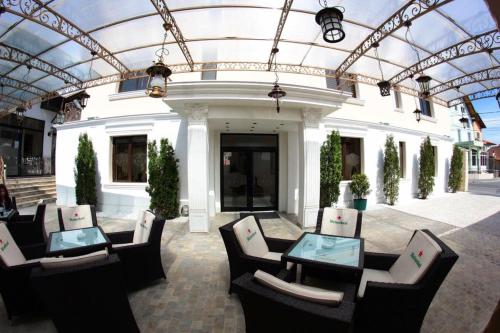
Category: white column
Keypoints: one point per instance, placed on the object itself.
(198, 167)
(309, 164)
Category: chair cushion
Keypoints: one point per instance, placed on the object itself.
(311, 294)
(416, 259)
(10, 253)
(76, 217)
(339, 221)
(50, 263)
(250, 238)
(277, 256)
(374, 275)
(143, 227)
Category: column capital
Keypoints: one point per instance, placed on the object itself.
(196, 112)
(311, 116)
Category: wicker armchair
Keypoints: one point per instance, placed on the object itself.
(141, 261)
(29, 229)
(268, 310)
(240, 263)
(86, 298)
(397, 307)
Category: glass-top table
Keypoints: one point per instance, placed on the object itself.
(343, 254)
(77, 241)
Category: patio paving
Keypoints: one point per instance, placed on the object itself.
(194, 298)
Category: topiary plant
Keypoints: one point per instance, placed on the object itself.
(391, 171)
(359, 186)
(330, 170)
(163, 179)
(84, 171)
(456, 169)
(427, 167)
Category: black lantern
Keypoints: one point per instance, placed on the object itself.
(277, 93)
(158, 73)
(417, 113)
(20, 110)
(498, 98)
(424, 83)
(83, 99)
(330, 21)
(59, 118)
(463, 121)
(385, 88)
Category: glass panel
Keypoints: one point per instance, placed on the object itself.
(300, 27)
(50, 83)
(235, 168)
(473, 16)
(9, 149)
(101, 12)
(120, 159)
(21, 74)
(230, 50)
(6, 66)
(139, 169)
(99, 68)
(473, 62)
(425, 107)
(129, 158)
(264, 179)
(351, 157)
(323, 57)
(443, 72)
(7, 21)
(71, 239)
(133, 84)
(369, 66)
(249, 140)
(328, 249)
(177, 4)
(143, 58)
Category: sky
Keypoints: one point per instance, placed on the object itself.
(489, 111)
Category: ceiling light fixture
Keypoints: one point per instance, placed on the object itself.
(158, 73)
(20, 110)
(276, 93)
(330, 21)
(384, 86)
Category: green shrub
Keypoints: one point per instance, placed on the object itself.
(427, 167)
(360, 186)
(391, 171)
(330, 170)
(163, 179)
(84, 171)
(456, 169)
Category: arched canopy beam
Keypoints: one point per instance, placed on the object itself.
(287, 5)
(408, 12)
(11, 100)
(13, 83)
(49, 18)
(479, 76)
(484, 42)
(167, 17)
(475, 96)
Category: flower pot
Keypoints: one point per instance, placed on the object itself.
(360, 204)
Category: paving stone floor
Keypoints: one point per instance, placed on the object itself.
(194, 298)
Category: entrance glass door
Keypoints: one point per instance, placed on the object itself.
(249, 174)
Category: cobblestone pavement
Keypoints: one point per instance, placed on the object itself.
(194, 298)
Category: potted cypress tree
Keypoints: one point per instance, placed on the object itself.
(360, 188)
(84, 171)
(391, 171)
(330, 170)
(456, 169)
(163, 180)
(426, 176)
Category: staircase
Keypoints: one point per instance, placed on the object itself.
(29, 190)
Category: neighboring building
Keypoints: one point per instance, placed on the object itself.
(494, 160)
(470, 137)
(236, 153)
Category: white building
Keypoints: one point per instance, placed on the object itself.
(275, 166)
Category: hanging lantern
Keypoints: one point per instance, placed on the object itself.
(385, 88)
(59, 118)
(83, 99)
(20, 110)
(424, 83)
(417, 113)
(158, 73)
(464, 121)
(277, 93)
(330, 21)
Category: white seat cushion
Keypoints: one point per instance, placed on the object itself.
(143, 227)
(250, 238)
(10, 253)
(415, 259)
(277, 256)
(307, 293)
(339, 221)
(76, 217)
(48, 263)
(374, 275)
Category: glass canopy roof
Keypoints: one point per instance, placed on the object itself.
(127, 33)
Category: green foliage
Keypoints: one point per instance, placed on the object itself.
(360, 186)
(456, 169)
(391, 171)
(427, 167)
(163, 180)
(84, 171)
(330, 170)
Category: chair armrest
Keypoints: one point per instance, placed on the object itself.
(267, 265)
(132, 248)
(23, 218)
(279, 244)
(120, 237)
(391, 293)
(20, 269)
(382, 261)
(34, 251)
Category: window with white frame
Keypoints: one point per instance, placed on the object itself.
(402, 159)
(474, 158)
(398, 102)
(130, 159)
(484, 159)
(336, 83)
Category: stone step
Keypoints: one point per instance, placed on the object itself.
(29, 180)
(33, 191)
(27, 189)
(35, 197)
(34, 202)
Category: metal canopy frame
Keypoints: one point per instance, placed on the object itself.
(167, 17)
(11, 100)
(479, 76)
(475, 96)
(13, 83)
(40, 13)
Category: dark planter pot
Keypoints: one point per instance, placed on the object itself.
(360, 204)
